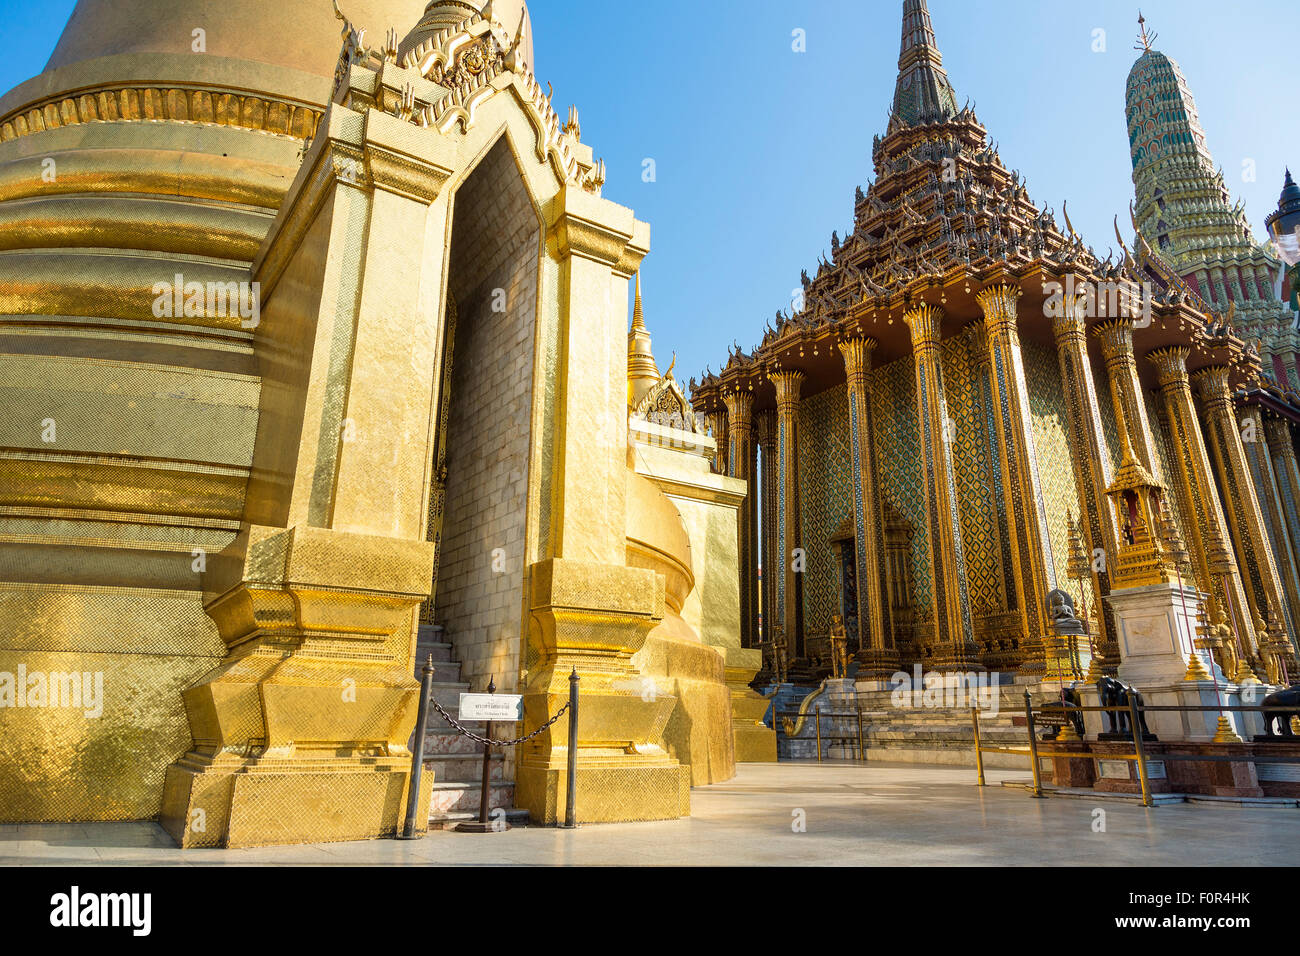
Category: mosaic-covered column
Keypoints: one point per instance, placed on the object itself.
(954, 646)
(718, 428)
(1204, 524)
(765, 430)
(1116, 339)
(1090, 457)
(740, 456)
(1287, 471)
(1259, 457)
(877, 656)
(977, 348)
(1245, 517)
(1031, 547)
(787, 382)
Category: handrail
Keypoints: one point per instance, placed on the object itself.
(1135, 712)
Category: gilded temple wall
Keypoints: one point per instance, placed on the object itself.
(1055, 468)
(973, 471)
(826, 499)
(893, 399)
(824, 473)
(494, 247)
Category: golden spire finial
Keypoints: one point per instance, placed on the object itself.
(642, 372)
(638, 317)
(1146, 38)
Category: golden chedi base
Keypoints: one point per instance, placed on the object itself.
(754, 742)
(301, 734)
(594, 618)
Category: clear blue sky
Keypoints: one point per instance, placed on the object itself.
(758, 149)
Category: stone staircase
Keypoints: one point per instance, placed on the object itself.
(914, 734)
(943, 736)
(455, 761)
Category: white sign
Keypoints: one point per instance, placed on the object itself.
(491, 707)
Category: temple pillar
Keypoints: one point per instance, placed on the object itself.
(1246, 520)
(1001, 620)
(1031, 548)
(787, 382)
(876, 655)
(740, 455)
(1204, 524)
(1287, 472)
(1116, 338)
(314, 703)
(765, 431)
(1091, 461)
(1268, 490)
(954, 645)
(718, 429)
(587, 609)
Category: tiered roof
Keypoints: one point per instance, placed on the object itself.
(944, 217)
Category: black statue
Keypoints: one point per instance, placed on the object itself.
(1288, 697)
(1115, 693)
(1070, 699)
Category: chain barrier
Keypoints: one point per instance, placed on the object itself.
(488, 742)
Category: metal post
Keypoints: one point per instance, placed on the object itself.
(818, 715)
(979, 754)
(485, 788)
(1033, 744)
(1140, 750)
(409, 829)
(485, 791)
(570, 808)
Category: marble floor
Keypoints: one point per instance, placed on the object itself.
(775, 814)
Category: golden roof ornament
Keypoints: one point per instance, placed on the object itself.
(1144, 38)
(642, 370)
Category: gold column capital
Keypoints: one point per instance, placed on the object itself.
(1212, 382)
(1170, 364)
(999, 304)
(1278, 432)
(765, 428)
(740, 407)
(923, 322)
(1116, 339)
(788, 382)
(592, 228)
(857, 351)
(1070, 322)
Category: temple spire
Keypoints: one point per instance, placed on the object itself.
(638, 317)
(642, 371)
(1146, 39)
(923, 93)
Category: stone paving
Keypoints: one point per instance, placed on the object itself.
(854, 815)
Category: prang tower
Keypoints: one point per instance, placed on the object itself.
(1186, 214)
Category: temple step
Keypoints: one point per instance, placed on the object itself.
(454, 760)
(464, 796)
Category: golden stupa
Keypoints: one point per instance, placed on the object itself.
(303, 311)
